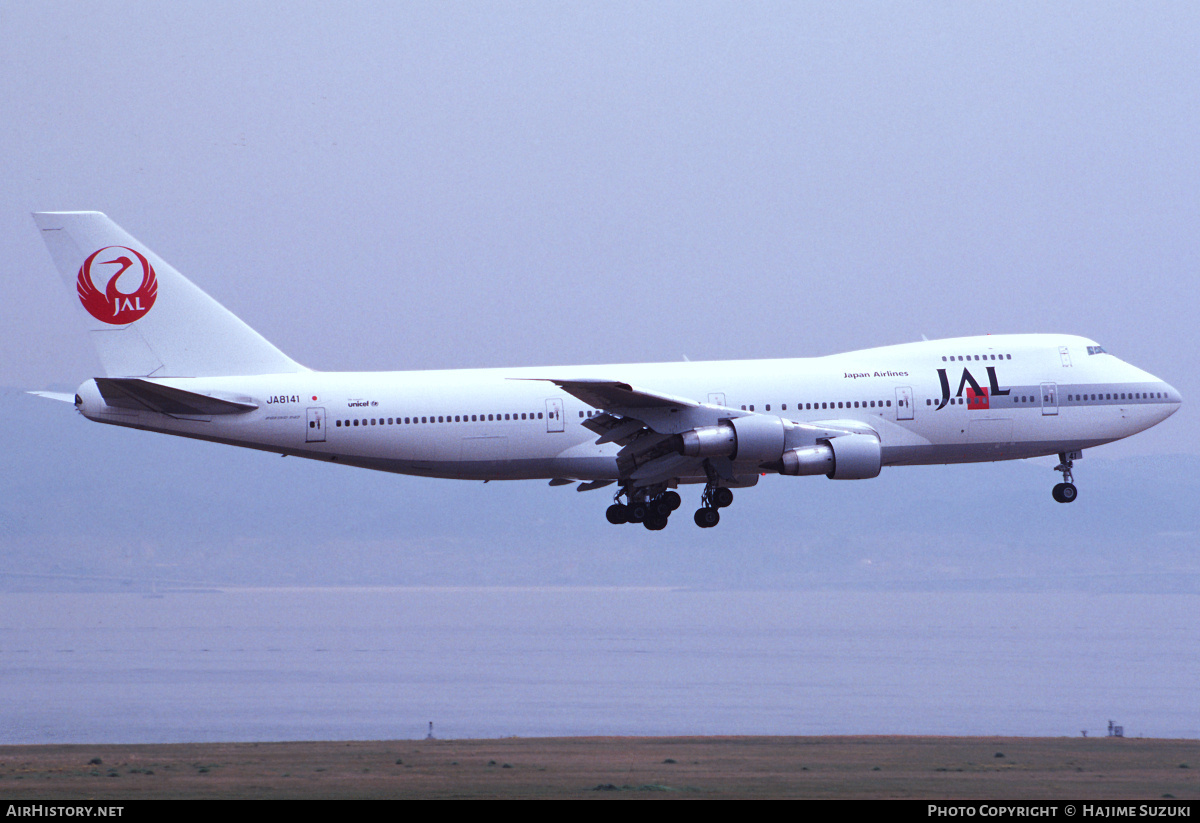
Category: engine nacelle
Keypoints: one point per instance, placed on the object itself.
(850, 457)
(709, 441)
(855, 457)
(762, 439)
(816, 459)
(756, 438)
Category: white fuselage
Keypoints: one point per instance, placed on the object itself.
(947, 401)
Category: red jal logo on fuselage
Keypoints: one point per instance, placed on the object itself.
(113, 305)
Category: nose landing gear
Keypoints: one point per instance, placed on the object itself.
(1065, 492)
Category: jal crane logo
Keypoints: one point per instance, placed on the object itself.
(113, 305)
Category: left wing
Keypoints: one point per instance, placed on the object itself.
(646, 426)
(664, 437)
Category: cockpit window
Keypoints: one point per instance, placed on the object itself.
(1096, 350)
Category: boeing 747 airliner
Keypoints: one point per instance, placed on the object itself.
(176, 361)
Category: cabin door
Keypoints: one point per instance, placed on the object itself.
(315, 433)
(1049, 398)
(554, 415)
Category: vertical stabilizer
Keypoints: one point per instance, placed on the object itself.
(145, 318)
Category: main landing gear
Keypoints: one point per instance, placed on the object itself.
(653, 509)
(1065, 492)
(715, 497)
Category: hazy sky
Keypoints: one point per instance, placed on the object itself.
(393, 186)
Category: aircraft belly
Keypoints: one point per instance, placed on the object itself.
(513, 469)
(936, 454)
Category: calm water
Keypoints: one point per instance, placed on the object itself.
(381, 663)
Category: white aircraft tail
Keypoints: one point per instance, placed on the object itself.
(144, 317)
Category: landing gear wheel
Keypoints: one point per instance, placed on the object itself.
(655, 521)
(637, 512)
(1065, 492)
(707, 517)
(617, 514)
(722, 497)
(672, 499)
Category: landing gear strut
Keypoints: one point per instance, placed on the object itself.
(1065, 492)
(714, 497)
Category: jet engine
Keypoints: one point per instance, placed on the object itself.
(788, 448)
(849, 457)
(757, 438)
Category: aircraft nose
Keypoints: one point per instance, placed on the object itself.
(1174, 398)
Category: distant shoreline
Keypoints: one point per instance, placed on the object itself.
(590, 767)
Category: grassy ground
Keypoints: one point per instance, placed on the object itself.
(619, 767)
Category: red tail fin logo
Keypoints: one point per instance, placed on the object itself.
(113, 305)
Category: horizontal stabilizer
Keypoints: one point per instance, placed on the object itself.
(133, 393)
(61, 397)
